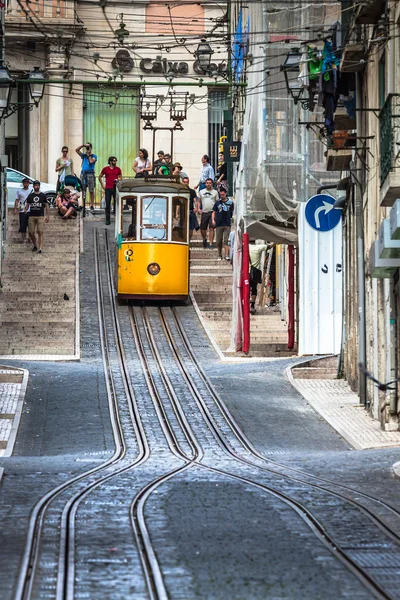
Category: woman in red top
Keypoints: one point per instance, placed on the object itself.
(112, 174)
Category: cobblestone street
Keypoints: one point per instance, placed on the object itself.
(223, 527)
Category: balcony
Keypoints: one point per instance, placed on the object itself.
(338, 160)
(369, 12)
(41, 12)
(389, 138)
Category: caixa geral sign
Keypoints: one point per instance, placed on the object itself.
(163, 66)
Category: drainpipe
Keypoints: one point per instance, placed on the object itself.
(291, 329)
(245, 288)
(362, 355)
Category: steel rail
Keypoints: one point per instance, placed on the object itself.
(30, 556)
(66, 570)
(318, 528)
(149, 560)
(242, 438)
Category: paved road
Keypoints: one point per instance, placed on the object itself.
(215, 536)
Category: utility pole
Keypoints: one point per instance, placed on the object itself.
(3, 158)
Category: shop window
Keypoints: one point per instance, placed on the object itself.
(154, 218)
(179, 219)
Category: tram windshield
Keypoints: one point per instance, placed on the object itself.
(179, 219)
(128, 218)
(154, 218)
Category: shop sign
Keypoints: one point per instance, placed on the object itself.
(163, 66)
(232, 151)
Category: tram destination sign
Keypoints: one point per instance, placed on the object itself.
(232, 151)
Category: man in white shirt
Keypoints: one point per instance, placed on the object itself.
(208, 197)
(20, 205)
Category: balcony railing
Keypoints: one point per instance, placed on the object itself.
(42, 9)
(389, 135)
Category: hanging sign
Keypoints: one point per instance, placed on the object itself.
(232, 151)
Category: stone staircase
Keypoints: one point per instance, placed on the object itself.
(211, 285)
(34, 317)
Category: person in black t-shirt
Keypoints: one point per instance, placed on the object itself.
(37, 203)
(221, 217)
(193, 208)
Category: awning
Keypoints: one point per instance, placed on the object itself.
(271, 233)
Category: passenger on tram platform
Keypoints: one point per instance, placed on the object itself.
(142, 165)
(159, 162)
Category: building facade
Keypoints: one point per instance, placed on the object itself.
(106, 67)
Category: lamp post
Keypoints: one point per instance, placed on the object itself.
(36, 81)
(203, 55)
(291, 71)
(6, 86)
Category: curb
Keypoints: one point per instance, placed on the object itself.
(17, 417)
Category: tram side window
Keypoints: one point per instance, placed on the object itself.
(154, 218)
(128, 218)
(179, 219)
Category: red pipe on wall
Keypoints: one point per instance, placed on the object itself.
(291, 298)
(246, 293)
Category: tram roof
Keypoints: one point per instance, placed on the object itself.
(152, 185)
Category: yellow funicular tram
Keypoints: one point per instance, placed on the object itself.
(152, 238)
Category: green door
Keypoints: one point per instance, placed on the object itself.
(110, 123)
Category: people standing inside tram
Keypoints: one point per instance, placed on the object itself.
(20, 205)
(222, 174)
(88, 170)
(207, 172)
(208, 197)
(64, 167)
(193, 208)
(157, 163)
(112, 175)
(142, 165)
(222, 218)
(36, 203)
(167, 167)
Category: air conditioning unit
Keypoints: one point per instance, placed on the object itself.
(388, 248)
(381, 268)
(395, 221)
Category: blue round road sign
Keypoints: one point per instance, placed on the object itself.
(320, 214)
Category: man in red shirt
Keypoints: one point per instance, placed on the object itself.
(112, 174)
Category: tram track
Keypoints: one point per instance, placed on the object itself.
(341, 551)
(164, 352)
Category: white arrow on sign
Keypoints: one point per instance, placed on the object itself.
(327, 207)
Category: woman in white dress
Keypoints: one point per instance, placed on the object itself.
(142, 164)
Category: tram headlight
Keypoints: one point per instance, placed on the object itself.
(154, 268)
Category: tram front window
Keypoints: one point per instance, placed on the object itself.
(128, 219)
(154, 218)
(179, 219)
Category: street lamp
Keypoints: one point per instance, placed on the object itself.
(6, 86)
(203, 55)
(36, 81)
(291, 70)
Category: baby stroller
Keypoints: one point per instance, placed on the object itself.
(73, 183)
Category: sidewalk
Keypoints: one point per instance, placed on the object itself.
(13, 384)
(334, 400)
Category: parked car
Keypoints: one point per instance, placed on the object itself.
(14, 183)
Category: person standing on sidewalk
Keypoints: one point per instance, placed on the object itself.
(208, 197)
(20, 205)
(64, 167)
(87, 171)
(36, 203)
(112, 174)
(221, 218)
(255, 254)
(207, 172)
